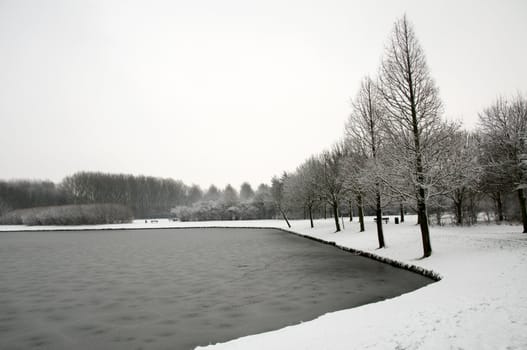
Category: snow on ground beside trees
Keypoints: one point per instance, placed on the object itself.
(479, 304)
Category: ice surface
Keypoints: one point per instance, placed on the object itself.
(175, 289)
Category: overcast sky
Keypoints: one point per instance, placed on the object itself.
(223, 91)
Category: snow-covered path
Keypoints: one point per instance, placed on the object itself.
(481, 302)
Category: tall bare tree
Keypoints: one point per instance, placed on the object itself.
(364, 130)
(413, 108)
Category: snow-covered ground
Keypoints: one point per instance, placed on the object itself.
(481, 302)
(155, 223)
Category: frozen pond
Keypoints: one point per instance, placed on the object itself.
(175, 288)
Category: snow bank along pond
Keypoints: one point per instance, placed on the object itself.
(175, 288)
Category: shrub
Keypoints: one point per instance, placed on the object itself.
(84, 214)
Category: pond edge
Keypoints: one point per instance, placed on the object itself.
(395, 263)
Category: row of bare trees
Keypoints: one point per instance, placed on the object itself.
(399, 150)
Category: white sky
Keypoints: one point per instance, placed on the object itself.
(223, 91)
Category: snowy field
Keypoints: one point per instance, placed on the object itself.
(480, 303)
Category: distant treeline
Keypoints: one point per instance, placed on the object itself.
(145, 196)
(76, 214)
(229, 205)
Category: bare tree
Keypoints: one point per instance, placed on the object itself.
(413, 108)
(195, 194)
(277, 192)
(364, 129)
(264, 203)
(352, 165)
(463, 164)
(300, 186)
(230, 196)
(330, 179)
(246, 192)
(503, 126)
(212, 194)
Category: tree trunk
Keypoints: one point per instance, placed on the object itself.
(523, 208)
(458, 202)
(499, 206)
(285, 217)
(421, 200)
(336, 215)
(459, 212)
(341, 219)
(325, 212)
(361, 212)
(423, 223)
(421, 193)
(473, 209)
(351, 210)
(310, 209)
(401, 209)
(378, 213)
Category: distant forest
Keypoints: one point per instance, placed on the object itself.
(145, 196)
(33, 202)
